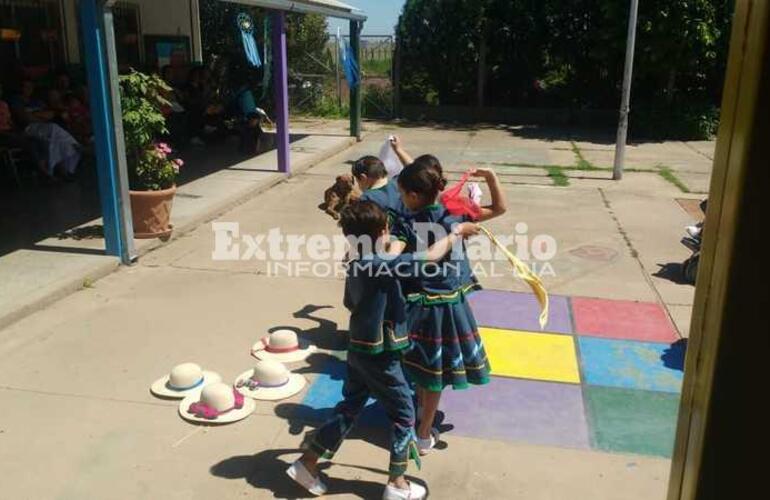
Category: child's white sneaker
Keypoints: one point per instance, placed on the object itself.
(415, 492)
(425, 445)
(694, 231)
(299, 473)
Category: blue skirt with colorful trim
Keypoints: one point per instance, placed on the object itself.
(446, 346)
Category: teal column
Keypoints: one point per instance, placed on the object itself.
(107, 137)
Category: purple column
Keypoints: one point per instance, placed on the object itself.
(281, 85)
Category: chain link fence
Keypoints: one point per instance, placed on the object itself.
(324, 91)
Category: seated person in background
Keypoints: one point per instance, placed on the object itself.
(63, 151)
(204, 115)
(80, 119)
(63, 84)
(55, 103)
(176, 116)
(249, 118)
(10, 137)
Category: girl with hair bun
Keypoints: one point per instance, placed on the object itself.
(447, 349)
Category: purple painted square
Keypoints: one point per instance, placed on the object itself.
(527, 411)
(519, 311)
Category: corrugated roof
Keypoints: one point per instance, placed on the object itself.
(331, 8)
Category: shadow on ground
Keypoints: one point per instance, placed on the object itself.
(32, 213)
(595, 134)
(267, 471)
(674, 356)
(673, 271)
(326, 335)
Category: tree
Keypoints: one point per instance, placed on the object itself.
(565, 53)
(307, 37)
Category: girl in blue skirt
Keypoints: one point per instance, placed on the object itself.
(447, 349)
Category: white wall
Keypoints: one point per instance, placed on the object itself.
(165, 17)
(158, 17)
(70, 22)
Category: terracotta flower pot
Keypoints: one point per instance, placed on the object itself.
(151, 212)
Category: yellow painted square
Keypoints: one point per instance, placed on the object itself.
(538, 356)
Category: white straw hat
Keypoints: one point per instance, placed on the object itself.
(283, 346)
(183, 380)
(269, 380)
(217, 403)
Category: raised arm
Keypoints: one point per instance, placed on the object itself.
(439, 249)
(497, 207)
(398, 148)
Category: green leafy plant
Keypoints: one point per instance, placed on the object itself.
(151, 166)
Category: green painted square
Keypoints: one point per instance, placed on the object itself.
(632, 421)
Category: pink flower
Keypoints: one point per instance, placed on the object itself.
(178, 162)
(162, 146)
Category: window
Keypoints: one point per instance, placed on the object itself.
(32, 38)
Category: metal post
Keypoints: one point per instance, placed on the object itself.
(355, 92)
(337, 76)
(195, 30)
(121, 175)
(281, 84)
(625, 104)
(117, 226)
(397, 79)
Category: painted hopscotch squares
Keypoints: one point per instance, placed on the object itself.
(519, 311)
(623, 320)
(612, 385)
(544, 413)
(632, 421)
(537, 356)
(628, 364)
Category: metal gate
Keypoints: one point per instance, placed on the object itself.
(317, 86)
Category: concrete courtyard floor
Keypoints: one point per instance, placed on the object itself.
(79, 422)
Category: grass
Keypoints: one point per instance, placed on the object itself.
(557, 173)
(670, 176)
(582, 163)
(558, 176)
(377, 67)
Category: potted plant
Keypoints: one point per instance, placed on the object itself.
(152, 167)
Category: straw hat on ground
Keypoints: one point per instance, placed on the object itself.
(283, 346)
(217, 403)
(269, 380)
(183, 380)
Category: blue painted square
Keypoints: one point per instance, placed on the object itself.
(629, 364)
(326, 391)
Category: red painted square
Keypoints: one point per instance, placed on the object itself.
(622, 319)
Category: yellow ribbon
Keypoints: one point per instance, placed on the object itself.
(523, 272)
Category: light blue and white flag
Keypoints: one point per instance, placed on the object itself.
(348, 60)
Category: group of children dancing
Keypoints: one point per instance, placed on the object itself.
(410, 321)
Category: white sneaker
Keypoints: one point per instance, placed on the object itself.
(415, 492)
(299, 473)
(694, 231)
(425, 445)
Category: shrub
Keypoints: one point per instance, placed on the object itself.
(150, 165)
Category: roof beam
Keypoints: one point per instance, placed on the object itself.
(303, 8)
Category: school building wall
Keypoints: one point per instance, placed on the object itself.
(156, 17)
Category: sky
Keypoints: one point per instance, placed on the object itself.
(383, 15)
